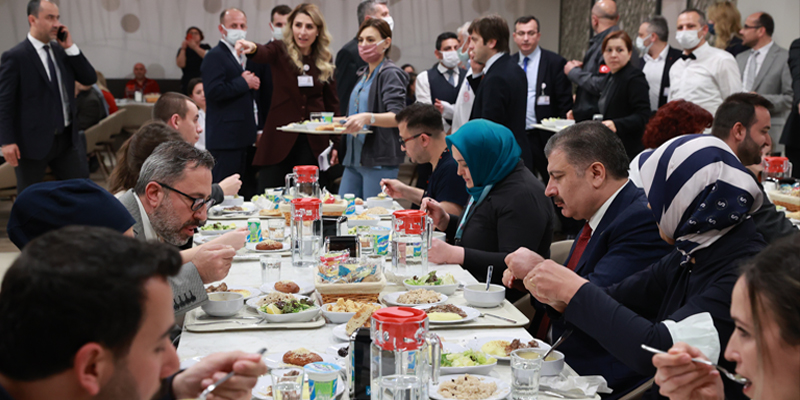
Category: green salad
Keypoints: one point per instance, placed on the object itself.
(431, 279)
(469, 358)
(287, 307)
(217, 226)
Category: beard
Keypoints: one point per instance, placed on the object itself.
(748, 151)
(121, 386)
(168, 225)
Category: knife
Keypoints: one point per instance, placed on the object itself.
(499, 317)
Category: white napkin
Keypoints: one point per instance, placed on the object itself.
(262, 203)
(322, 160)
(697, 330)
(578, 385)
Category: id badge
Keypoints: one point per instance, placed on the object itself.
(543, 101)
(305, 81)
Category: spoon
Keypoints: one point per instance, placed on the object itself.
(558, 342)
(734, 377)
(489, 277)
(222, 380)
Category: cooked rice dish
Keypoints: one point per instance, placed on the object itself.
(419, 296)
(376, 211)
(467, 388)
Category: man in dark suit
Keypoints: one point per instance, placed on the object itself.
(37, 100)
(619, 238)
(791, 131)
(657, 58)
(231, 106)
(347, 59)
(549, 90)
(501, 89)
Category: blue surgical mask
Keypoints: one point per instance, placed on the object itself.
(711, 28)
(463, 57)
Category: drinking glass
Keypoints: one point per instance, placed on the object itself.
(276, 229)
(526, 364)
(270, 269)
(287, 383)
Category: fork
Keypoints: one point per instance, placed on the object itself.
(734, 377)
(260, 320)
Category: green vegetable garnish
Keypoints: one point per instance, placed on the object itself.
(469, 358)
(217, 226)
(431, 279)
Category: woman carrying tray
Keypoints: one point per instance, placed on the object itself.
(302, 76)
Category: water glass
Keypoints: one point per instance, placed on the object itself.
(287, 383)
(276, 229)
(526, 365)
(401, 387)
(270, 269)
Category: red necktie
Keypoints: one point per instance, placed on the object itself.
(577, 252)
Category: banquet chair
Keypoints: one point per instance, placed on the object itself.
(558, 253)
(98, 140)
(8, 181)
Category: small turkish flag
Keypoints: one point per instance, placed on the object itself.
(604, 69)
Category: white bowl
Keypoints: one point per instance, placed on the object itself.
(303, 316)
(439, 235)
(386, 203)
(230, 201)
(337, 317)
(554, 367)
(476, 295)
(563, 123)
(223, 304)
(443, 289)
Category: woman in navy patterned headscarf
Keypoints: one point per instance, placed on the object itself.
(701, 197)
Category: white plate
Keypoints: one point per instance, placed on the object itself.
(252, 247)
(391, 299)
(247, 207)
(213, 233)
(253, 291)
(477, 343)
(275, 360)
(472, 314)
(253, 301)
(306, 287)
(475, 370)
(340, 333)
(265, 381)
(302, 316)
(443, 289)
(503, 388)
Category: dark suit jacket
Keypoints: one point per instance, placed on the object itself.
(625, 242)
(501, 96)
(791, 131)
(673, 55)
(264, 93)
(230, 123)
(28, 104)
(291, 103)
(515, 214)
(557, 85)
(90, 110)
(348, 62)
(625, 100)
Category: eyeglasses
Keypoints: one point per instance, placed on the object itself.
(197, 202)
(751, 27)
(404, 141)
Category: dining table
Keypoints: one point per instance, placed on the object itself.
(246, 271)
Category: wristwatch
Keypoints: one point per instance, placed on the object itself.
(371, 118)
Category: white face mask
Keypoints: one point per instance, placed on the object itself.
(687, 39)
(450, 59)
(232, 35)
(641, 47)
(389, 20)
(277, 33)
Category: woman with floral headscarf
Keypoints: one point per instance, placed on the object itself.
(701, 197)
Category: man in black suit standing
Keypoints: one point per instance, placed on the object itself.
(501, 88)
(232, 111)
(347, 59)
(37, 102)
(657, 58)
(549, 89)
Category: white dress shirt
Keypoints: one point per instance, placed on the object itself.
(532, 73)
(654, 72)
(71, 51)
(759, 59)
(423, 88)
(594, 221)
(706, 81)
(460, 112)
(488, 65)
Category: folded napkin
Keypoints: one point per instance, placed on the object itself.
(575, 385)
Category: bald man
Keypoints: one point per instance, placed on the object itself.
(590, 74)
(140, 83)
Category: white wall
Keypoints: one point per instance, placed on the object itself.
(97, 26)
(786, 14)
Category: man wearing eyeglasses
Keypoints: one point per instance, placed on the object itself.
(170, 200)
(422, 138)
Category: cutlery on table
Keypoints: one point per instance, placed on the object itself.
(230, 321)
(560, 394)
(558, 342)
(734, 377)
(498, 317)
(489, 276)
(214, 385)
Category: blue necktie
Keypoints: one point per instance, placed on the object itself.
(525, 64)
(54, 84)
(450, 78)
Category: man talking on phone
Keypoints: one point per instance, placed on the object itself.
(37, 102)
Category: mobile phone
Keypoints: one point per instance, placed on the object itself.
(62, 34)
(188, 36)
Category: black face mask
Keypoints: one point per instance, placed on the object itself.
(711, 30)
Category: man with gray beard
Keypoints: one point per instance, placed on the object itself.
(170, 200)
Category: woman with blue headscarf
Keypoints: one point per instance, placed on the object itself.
(507, 209)
(701, 197)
